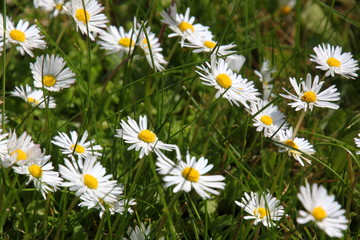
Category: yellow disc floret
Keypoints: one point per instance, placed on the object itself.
(267, 120)
(35, 170)
(224, 80)
(126, 42)
(78, 148)
(17, 35)
(59, 6)
(191, 174)
(285, 10)
(90, 181)
(21, 155)
(319, 213)
(49, 80)
(291, 143)
(32, 100)
(185, 26)
(82, 15)
(209, 44)
(147, 136)
(333, 62)
(309, 97)
(261, 211)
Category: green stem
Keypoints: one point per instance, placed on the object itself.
(72, 205)
(301, 118)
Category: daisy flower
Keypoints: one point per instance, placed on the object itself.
(3, 143)
(269, 119)
(331, 60)
(34, 97)
(115, 204)
(308, 94)
(88, 176)
(357, 142)
(182, 25)
(76, 145)
(235, 62)
(293, 146)
(22, 150)
(140, 232)
(265, 77)
(89, 16)
(322, 209)
(55, 6)
(26, 37)
(154, 52)
(190, 174)
(143, 139)
(41, 173)
(5, 118)
(49, 71)
(118, 41)
(286, 6)
(205, 43)
(229, 85)
(264, 208)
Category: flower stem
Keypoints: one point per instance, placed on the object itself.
(301, 118)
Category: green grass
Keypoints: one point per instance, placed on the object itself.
(184, 112)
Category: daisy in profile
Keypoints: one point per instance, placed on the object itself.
(262, 208)
(140, 232)
(76, 145)
(268, 120)
(22, 150)
(50, 72)
(88, 176)
(357, 142)
(265, 77)
(322, 209)
(190, 175)
(116, 40)
(308, 94)
(5, 118)
(228, 84)
(293, 146)
(152, 49)
(114, 204)
(235, 62)
(41, 173)
(286, 6)
(24, 36)
(34, 97)
(331, 60)
(182, 25)
(143, 139)
(205, 43)
(89, 16)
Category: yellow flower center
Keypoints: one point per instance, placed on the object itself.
(185, 26)
(291, 143)
(147, 136)
(82, 15)
(333, 62)
(209, 44)
(285, 10)
(21, 155)
(191, 174)
(32, 100)
(319, 213)
(309, 97)
(78, 148)
(35, 170)
(49, 80)
(17, 35)
(267, 120)
(224, 80)
(261, 211)
(90, 181)
(126, 42)
(59, 6)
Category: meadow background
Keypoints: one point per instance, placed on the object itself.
(184, 112)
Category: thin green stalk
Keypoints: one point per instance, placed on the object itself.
(4, 65)
(301, 118)
(62, 221)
